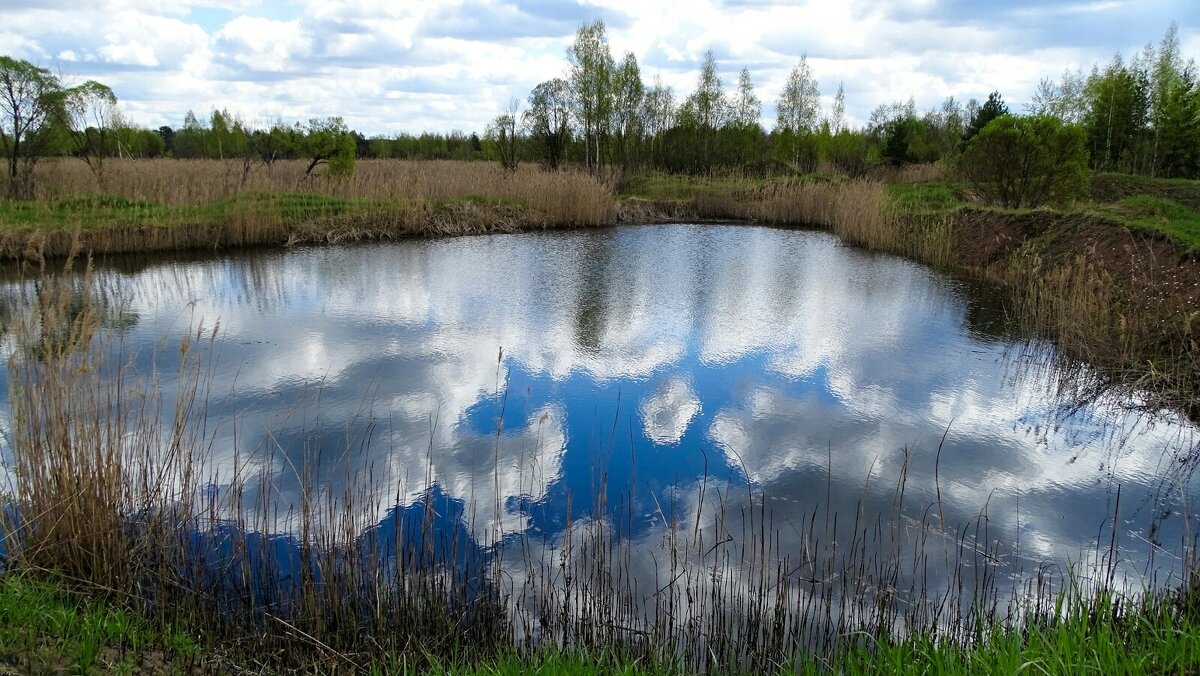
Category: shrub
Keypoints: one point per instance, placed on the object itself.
(1026, 162)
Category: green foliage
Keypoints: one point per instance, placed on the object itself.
(591, 75)
(328, 141)
(993, 108)
(1117, 110)
(1101, 637)
(548, 120)
(848, 151)
(30, 98)
(1019, 162)
(924, 198)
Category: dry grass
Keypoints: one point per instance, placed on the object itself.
(171, 204)
(565, 197)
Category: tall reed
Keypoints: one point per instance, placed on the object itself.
(171, 204)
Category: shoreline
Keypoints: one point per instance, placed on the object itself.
(1125, 300)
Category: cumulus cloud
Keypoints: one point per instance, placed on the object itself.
(390, 66)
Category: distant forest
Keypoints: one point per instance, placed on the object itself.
(1138, 114)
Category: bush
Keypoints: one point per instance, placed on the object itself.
(1026, 162)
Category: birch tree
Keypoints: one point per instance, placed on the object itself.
(591, 74)
(548, 120)
(747, 108)
(29, 96)
(799, 103)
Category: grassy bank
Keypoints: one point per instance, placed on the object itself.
(46, 626)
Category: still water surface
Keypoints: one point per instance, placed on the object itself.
(532, 381)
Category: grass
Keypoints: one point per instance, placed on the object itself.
(1101, 637)
(925, 198)
(46, 628)
(1158, 214)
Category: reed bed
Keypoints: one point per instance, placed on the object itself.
(171, 204)
(117, 491)
(565, 196)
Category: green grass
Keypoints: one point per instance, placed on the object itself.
(551, 662)
(46, 629)
(927, 198)
(1147, 212)
(1156, 637)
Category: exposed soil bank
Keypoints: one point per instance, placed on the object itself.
(1127, 301)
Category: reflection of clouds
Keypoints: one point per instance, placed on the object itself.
(667, 413)
(784, 349)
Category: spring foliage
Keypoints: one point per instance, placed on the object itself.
(1017, 162)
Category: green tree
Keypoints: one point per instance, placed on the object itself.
(275, 142)
(328, 141)
(29, 98)
(591, 75)
(191, 139)
(627, 124)
(991, 109)
(797, 110)
(1019, 162)
(1177, 128)
(704, 112)
(549, 121)
(1118, 100)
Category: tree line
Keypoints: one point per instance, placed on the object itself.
(1139, 114)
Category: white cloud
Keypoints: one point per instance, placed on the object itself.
(263, 44)
(389, 66)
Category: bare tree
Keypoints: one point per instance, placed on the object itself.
(837, 119)
(504, 133)
(91, 117)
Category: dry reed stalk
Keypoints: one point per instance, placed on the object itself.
(388, 198)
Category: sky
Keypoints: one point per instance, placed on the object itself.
(390, 66)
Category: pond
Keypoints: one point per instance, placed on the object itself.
(660, 381)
